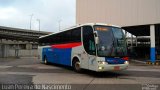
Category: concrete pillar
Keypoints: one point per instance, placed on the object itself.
(17, 50)
(5, 50)
(131, 43)
(125, 33)
(152, 39)
(0, 48)
(29, 46)
(131, 40)
(136, 41)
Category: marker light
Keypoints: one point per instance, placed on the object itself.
(102, 62)
(125, 58)
(126, 62)
(100, 68)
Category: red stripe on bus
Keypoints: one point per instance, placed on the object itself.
(68, 45)
(125, 58)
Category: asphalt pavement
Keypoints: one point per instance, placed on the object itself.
(29, 73)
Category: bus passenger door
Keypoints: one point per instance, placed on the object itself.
(89, 45)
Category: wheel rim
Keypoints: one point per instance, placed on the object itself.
(45, 61)
(77, 66)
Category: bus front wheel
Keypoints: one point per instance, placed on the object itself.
(76, 65)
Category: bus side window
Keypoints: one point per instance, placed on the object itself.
(88, 40)
(76, 35)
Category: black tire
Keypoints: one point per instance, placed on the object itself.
(45, 60)
(76, 65)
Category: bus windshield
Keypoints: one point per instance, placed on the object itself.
(111, 41)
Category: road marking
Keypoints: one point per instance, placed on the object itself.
(3, 67)
(43, 67)
(38, 66)
(149, 70)
(36, 73)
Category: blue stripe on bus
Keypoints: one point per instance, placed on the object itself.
(114, 60)
(58, 56)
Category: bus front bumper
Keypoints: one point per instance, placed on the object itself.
(112, 67)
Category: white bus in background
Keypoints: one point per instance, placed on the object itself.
(93, 46)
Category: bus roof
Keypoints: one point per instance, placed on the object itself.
(79, 25)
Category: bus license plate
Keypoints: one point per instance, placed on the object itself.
(116, 68)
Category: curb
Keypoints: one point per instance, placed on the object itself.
(143, 62)
(157, 63)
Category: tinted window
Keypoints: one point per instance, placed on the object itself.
(76, 34)
(69, 36)
(88, 40)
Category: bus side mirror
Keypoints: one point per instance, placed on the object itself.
(96, 40)
(96, 37)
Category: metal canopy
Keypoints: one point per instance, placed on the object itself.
(141, 30)
(20, 34)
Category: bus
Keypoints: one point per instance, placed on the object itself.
(93, 46)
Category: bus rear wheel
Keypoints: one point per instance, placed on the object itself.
(76, 66)
(45, 60)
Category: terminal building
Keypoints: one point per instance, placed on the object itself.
(15, 42)
(141, 18)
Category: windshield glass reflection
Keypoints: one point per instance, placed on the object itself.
(111, 41)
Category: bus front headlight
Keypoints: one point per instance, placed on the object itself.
(102, 62)
(126, 62)
(100, 68)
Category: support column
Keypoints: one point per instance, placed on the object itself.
(126, 37)
(0, 48)
(152, 40)
(131, 43)
(131, 40)
(125, 33)
(136, 41)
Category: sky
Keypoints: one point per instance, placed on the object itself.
(51, 13)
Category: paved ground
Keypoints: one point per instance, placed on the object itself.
(29, 71)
